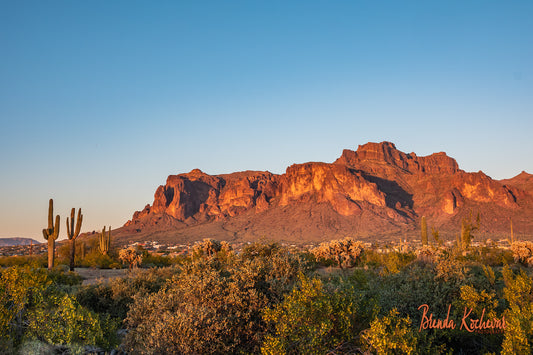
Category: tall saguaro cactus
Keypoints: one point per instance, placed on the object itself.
(51, 233)
(105, 241)
(73, 234)
(424, 231)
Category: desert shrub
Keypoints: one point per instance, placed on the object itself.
(480, 302)
(155, 260)
(426, 253)
(523, 252)
(492, 256)
(21, 260)
(204, 309)
(62, 276)
(21, 288)
(313, 319)
(34, 307)
(413, 286)
(390, 334)
(115, 297)
(210, 247)
(276, 268)
(214, 305)
(343, 252)
(96, 259)
(518, 292)
(261, 250)
(393, 262)
(61, 320)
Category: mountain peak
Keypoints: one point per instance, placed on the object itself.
(385, 153)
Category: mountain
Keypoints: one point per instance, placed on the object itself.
(375, 192)
(6, 242)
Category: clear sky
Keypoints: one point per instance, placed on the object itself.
(101, 100)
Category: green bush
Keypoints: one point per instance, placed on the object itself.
(97, 259)
(33, 305)
(313, 319)
(35, 260)
(114, 297)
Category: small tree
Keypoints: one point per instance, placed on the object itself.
(523, 252)
(130, 256)
(345, 252)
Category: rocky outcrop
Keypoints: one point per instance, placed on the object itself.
(522, 181)
(196, 196)
(344, 189)
(375, 189)
(386, 154)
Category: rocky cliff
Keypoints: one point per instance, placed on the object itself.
(374, 191)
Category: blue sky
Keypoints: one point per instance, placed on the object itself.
(101, 100)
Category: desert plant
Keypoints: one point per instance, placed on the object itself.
(426, 253)
(130, 256)
(424, 231)
(436, 237)
(105, 241)
(115, 296)
(34, 305)
(201, 311)
(523, 252)
(345, 252)
(210, 247)
(73, 234)
(51, 233)
(314, 318)
(518, 291)
(390, 334)
(82, 250)
(467, 227)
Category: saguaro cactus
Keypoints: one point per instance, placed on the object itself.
(51, 233)
(105, 241)
(73, 234)
(82, 250)
(424, 231)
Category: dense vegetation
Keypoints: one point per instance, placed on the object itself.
(272, 299)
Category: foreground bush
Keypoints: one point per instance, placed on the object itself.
(34, 307)
(114, 298)
(202, 310)
(213, 305)
(313, 319)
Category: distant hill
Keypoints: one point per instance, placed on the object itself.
(7, 242)
(375, 193)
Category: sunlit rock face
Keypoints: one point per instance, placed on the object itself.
(377, 186)
(385, 154)
(335, 184)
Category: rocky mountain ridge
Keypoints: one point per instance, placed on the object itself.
(373, 192)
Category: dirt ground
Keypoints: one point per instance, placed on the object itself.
(92, 276)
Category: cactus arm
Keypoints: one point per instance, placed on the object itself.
(73, 234)
(78, 223)
(51, 214)
(56, 228)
